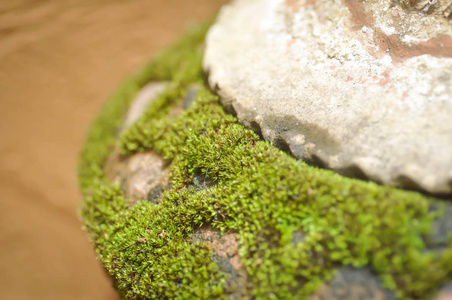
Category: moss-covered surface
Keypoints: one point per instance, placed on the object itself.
(266, 196)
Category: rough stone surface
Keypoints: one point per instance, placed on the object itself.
(141, 176)
(146, 175)
(225, 248)
(441, 8)
(441, 226)
(361, 87)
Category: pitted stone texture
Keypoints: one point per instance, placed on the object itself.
(327, 81)
(441, 8)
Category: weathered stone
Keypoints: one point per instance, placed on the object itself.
(140, 176)
(353, 284)
(441, 227)
(361, 87)
(432, 7)
(225, 248)
(445, 293)
(142, 100)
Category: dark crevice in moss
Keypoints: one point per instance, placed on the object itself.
(154, 196)
(296, 223)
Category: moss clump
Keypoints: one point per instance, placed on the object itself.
(296, 223)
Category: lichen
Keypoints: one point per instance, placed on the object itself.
(296, 223)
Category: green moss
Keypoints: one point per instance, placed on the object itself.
(265, 195)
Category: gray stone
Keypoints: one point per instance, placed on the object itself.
(441, 227)
(146, 175)
(142, 175)
(353, 284)
(361, 87)
(142, 100)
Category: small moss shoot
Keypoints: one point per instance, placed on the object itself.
(269, 198)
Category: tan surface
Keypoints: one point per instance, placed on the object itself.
(59, 60)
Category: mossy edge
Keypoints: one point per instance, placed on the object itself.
(260, 192)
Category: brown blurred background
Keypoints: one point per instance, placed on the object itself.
(59, 61)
